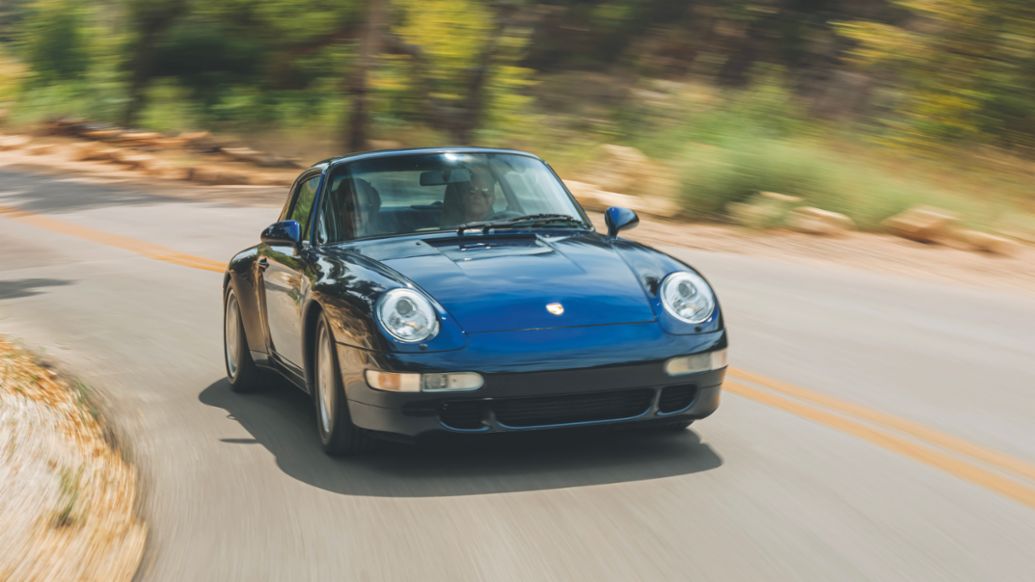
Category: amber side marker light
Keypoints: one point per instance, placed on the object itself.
(429, 382)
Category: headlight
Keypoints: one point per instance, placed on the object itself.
(687, 297)
(407, 315)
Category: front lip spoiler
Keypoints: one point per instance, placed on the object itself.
(422, 413)
(577, 424)
(393, 422)
(652, 411)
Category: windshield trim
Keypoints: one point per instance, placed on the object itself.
(341, 166)
(587, 228)
(334, 163)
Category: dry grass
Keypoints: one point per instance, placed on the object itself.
(67, 496)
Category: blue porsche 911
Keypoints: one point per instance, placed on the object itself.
(465, 290)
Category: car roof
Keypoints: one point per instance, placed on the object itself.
(419, 151)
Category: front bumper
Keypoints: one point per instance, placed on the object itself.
(546, 399)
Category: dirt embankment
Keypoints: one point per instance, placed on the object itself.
(68, 497)
(941, 260)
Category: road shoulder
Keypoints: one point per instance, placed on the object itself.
(70, 497)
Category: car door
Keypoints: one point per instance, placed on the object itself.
(283, 277)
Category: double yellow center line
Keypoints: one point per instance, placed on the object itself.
(149, 250)
(992, 470)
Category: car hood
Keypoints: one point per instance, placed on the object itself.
(498, 283)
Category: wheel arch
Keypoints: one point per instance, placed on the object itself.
(310, 315)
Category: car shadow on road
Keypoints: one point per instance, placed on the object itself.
(281, 419)
(27, 287)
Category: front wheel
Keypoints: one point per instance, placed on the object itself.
(337, 433)
(241, 371)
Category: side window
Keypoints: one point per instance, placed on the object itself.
(304, 203)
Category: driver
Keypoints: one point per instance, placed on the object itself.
(479, 195)
(470, 201)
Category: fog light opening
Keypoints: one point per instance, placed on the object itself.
(451, 381)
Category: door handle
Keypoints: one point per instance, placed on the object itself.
(264, 263)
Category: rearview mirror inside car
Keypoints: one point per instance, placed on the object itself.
(450, 176)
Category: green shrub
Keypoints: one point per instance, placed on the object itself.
(54, 41)
(713, 176)
(99, 97)
(701, 114)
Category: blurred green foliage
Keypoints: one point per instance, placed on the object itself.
(55, 42)
(961, 69)
(869, 191)
(918, 72)
(734, 96)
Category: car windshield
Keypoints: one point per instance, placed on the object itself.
(427, 192)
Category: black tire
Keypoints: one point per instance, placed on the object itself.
(241, 371)
(337, 433)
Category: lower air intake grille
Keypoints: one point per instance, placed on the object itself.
(674, 398)
(572, 408)
(462, 414)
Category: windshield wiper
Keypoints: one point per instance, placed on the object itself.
(533, 219)
(546, 218)
(483, 225)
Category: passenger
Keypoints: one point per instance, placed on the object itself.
(362, 206)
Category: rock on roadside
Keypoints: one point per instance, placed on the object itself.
(984, 242)
(217, 175)
(922, 224)
(592, 198)
(96, 152)
(622, 169)
(588, 195)
(763, 210)
(812, 220)
(13, 142)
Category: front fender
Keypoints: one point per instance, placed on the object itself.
(651, 266)
(348, 292)
(241, 276)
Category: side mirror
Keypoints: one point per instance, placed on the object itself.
(619, 219)
(285, 232)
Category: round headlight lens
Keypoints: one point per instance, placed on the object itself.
(407, 315)
(687, 297)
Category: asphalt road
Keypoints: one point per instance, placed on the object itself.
(874, 427)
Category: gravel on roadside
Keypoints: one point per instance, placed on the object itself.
(68, 496)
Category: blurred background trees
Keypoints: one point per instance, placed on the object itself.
(714, 89)
(917, 71)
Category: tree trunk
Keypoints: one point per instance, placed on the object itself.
(472, 111)
(355, 132)
(150, 21)
(139, 80)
